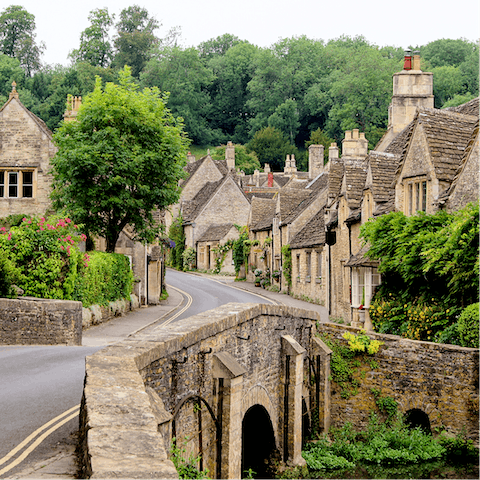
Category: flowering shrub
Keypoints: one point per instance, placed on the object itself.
(362, 343)
(44, 260)
(46, 256)
(430, 322)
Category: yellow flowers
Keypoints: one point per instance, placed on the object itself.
(362, 343)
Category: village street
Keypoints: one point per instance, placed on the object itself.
(44, 383)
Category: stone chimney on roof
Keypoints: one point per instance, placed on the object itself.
(230, 155)
(412, 88)
(290, 165)
(315, 160)
(73, 105)
(354, 145)
(191, 158)
(266, 168)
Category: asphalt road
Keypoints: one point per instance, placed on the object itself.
(41, 383)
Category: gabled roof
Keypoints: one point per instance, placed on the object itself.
(291, 199)
(192, 167)
(215, 233)
(40, 123)
(354, 181)
(312, 234)
(400, 142)
(445, 195)
(335, 176)
(447, 135)
(191, 209)
(263, 211)
(260, 194)
(381, 175)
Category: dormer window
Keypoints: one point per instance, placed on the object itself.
(16, 183)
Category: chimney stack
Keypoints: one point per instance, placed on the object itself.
(315, 160)
(230, 155)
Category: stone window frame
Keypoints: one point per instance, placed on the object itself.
(308, 264)
(318, 276)
(298, 262)
(416, 194)
(364, 281)
(24, 189)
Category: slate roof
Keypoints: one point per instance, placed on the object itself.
(263, 211)
(469, 108)
(291, 199)
(191, 209)
(400, 142)
(383, 167)
(215, 233)
(268, 195)
(312, 234)
(335, 176)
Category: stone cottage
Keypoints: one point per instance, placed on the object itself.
(26, 148)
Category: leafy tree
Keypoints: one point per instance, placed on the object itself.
(17, 37)
(229, 91)
(317, 137)
(10, 71)
(286, 119)
(134, 39)
(270, 146)
(95, 47)
(119, 161)
(181, 73)
(447, 82)
(447, 52)
(219, 46)
(247, 162)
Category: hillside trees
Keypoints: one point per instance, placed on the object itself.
(17, 38)
(119, 161)
(95, 46)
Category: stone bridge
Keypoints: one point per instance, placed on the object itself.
(241, 385)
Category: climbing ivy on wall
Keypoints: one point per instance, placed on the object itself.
(220, 252)
(177, 236)
(241, 249)
(287, 264)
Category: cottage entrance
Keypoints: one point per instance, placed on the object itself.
(258, 442)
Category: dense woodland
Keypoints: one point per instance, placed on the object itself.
(296, 92)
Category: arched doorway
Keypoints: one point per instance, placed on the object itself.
(418, 418)
(258, 442)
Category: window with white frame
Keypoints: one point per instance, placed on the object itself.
(364, 281)
(16, 183)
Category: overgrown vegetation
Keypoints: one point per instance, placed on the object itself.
(429, 266)
(241, 249)
(186, 465)
(177, 245)
(350, 361)
(41, 256)
(287, 264)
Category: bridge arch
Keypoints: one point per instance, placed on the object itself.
(258, 443)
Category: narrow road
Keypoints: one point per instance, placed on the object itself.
(41, 383)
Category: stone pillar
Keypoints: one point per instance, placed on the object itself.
(322, 390)
(230, 374)
(294, 353)
(155, 275)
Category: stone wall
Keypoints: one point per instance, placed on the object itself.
(441, 380)
(36, 321)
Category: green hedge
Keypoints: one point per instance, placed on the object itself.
(107, 278)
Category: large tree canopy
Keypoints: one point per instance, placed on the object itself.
(119, 160)
(17, 37)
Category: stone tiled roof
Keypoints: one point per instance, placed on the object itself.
(263, 211)
(386, 207)
(312, 234)
(335, 176)
(292, 200)
(383, 167)
(445, 195)
(448, 134)
(355, 177)
(399, 143)
(361, 259)
(191, 209)
(215, 233)
(469, 108)
(222, 166)
(268, 195)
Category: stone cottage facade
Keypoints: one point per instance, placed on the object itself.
(26, 148)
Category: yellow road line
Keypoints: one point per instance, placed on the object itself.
(39, 440)
(186, 307)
